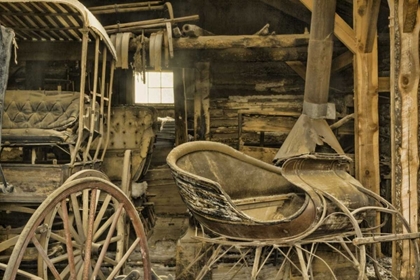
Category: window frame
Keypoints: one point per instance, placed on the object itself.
(137, 90)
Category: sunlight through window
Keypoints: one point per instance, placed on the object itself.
(157, 89)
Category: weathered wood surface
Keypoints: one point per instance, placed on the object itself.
(341, 29)
(183, 57)
(224, 114)
(163, 192)
(368, 15)
(261, 153)
(366, 105)
(404, 128)
(243, 41)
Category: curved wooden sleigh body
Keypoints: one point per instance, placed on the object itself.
(238, 196)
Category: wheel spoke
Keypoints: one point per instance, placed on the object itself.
(44, 256)
(85, 212)
(113, 240)
(66, 270)
(68, 239)
(110, 261)
(73, 231)
(101, 212)
(79, 270)
(107, 240)
(89, 239)
(103, 228)
(60, 239)
(65, 257)
(76, 212)
(124, 259)
(100, 273)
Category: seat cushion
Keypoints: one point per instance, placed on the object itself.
(39, 117)
(32, 109)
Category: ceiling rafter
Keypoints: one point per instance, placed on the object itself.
(290, 7)
(341, 29)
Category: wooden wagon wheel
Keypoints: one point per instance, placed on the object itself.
(74, 232)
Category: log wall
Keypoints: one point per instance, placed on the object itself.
(250, 106)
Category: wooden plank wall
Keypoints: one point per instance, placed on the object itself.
(248, 99)
(263, 87)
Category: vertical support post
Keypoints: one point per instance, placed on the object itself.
(83, 62)
(366, 121)
(405, 71)
(366, 101)
(180, 107)
(93, 100)
(102, 105)
(201, 102)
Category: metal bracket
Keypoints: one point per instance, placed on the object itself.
(319, 111)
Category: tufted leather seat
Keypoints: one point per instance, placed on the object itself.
(39, 117)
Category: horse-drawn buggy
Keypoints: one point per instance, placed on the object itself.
(61, 217)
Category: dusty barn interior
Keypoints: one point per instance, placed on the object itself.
(193, 139)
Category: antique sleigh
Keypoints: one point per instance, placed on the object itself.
(238, 196)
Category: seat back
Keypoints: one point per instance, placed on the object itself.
(34, 109)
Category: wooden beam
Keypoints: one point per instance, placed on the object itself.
(342, 61)
(242, 41)
(338, 63)
(405, 73)
(394, 64)
(410, 8)
(240, 54)
(341, 29)
(369, 15)
(298, 67)
(366, 123)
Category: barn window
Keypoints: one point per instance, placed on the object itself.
(158, 88)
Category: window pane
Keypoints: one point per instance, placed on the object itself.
(154, 79)
(141, 97)
(167, 79)
(167, 95)
(141, 90)
(154, 95)
(158, 88)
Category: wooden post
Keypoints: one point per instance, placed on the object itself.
(366, 102)
(366, 124)
(405, 70)
(202, 102)
(180, 107)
